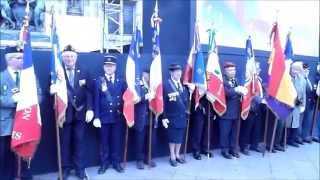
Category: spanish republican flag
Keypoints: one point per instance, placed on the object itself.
(282, 93)
(215, 88)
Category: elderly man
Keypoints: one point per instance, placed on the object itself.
(229, 120)
(79, 111)
(9, 96)
(295, 119)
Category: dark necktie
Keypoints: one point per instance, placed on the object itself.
(179, 87)
(70, 76)
(234, 83)
(17, 78)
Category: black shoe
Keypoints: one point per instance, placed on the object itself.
(279, 148)
(197, 156)
(173, 163)
(226, 155)
(299, 141)
(274, 151)
(181, 160)
(140, 165)
(258, 149)
(315, 139)
(118, 168)
(294, 144)
(29, 177)
(235, 154)
(103, 169)
(245, 151)
(151, 164)
(308, 140)
(82, 175)
(65, 174)
(206, 153)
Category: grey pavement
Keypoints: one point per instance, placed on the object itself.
(296, 163)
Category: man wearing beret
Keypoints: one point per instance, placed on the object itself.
(108, 115)
(9, 96)
(229, 120)
(175, 98)
(79, 111)
(141, 123)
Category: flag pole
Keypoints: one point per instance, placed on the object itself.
(56, 113)
(238, 129)
(273, 133)
(187, 131)
(125, 147)
(315, 115)
(150, 139)
(285, 137)
(58, 139)
(208, 142)
(266, 124)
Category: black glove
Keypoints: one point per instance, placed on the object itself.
(298, 102)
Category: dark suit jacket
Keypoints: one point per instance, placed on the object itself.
(109, 103)
(175, 105)
(79, 96)
(233, 101)
(141, 110)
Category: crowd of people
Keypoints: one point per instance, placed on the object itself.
(100, 104)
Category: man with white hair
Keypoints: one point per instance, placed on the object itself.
(295, 119)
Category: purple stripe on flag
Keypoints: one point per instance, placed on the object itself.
(280, 109)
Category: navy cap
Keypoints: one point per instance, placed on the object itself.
(174, 67)
(109, 59)
(228, 64)
(69, 48)
(13, 49)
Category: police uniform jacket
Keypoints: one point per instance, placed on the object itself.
(175, 104)
(109, 102)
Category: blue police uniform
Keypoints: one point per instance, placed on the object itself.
(175, 108)
(108, 108)
(141, 124)
(73, 131)
(228, 121)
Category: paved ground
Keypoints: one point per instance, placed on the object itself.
(295, 163)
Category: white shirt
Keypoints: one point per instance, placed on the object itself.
(177, 84)
(12, 73)
(110, 76)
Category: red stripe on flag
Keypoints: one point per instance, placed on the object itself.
(26, 131)
(216, 93)
(60, 109)
(128, 107)
(156, 104)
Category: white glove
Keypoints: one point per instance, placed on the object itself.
(241, 90)
(16, 97)
(191, 87)
(263, 101)
(97, 123)
(165, 123)
(149, 96)
(53, 89)
(89, 116)
(302, 109)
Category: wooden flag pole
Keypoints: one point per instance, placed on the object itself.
(58, 140)
(208, 142)
(187, 131)
(266, 124)
(150, 139)
(273, 134)
(125, 147)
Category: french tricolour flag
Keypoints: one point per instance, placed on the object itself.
(26, 132)
(133, 74)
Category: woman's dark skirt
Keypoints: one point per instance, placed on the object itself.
(176, 135)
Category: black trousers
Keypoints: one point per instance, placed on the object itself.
(9, 162)
(110, 143)
(142, 143)
(199, 137)
(279, 132)
(251, 130)
(72, 145)
(228, 134)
